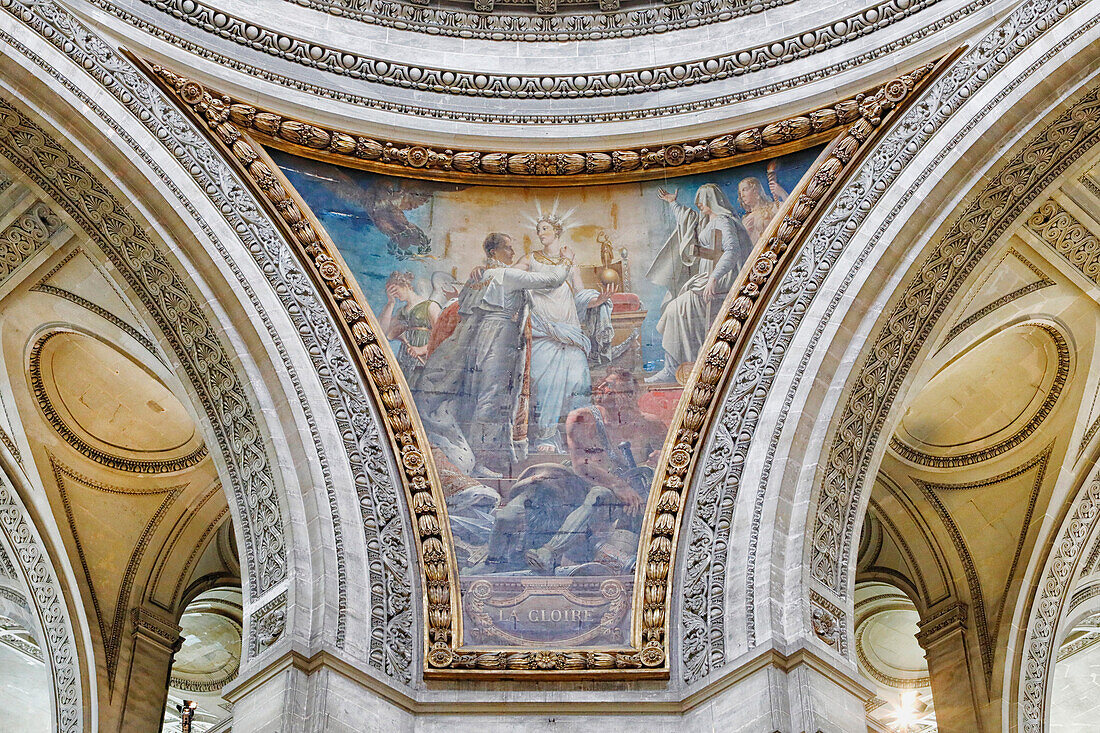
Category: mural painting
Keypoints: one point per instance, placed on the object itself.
(545, 335)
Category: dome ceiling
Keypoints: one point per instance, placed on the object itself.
(542, 19)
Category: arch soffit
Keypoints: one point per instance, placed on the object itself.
(987, 215)
(97, 211)
(72, 693)
(237, 234)
(275, 609)
(710, 558)
(1049, 150)
(81, 194)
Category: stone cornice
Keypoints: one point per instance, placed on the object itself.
(765, 54)
(486, 19)
(155, 628)
(943, 622)
(643, 701)
(299, 60)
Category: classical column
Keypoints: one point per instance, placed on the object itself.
(155, 641)
(954, 679)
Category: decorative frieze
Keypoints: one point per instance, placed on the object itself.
(401, 158)
(27, 236)
(574, 19)
(753, 58)
(1067, 236)
(766, 54)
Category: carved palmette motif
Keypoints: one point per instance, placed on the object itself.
(229, 122)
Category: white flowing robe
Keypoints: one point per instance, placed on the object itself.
(686, 314)
(560, 379)
(467, 391)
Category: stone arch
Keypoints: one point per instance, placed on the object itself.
(70, 670)
(346, 549)
(1051, 609)
(745, 540)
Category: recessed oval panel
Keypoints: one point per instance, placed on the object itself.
(210, 654)
(888, 648)
(113, 399)
(992, 395)
(110, 407)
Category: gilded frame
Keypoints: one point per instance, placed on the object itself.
(240, 131)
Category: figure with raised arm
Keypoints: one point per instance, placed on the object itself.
(760, 209)
(469, 390)
(411, 324)
(697, 265)
(560, 344)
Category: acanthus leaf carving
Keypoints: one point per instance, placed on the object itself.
(390, 646)
(712, 510)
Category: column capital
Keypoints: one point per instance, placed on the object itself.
(950, 618)
(156, 629)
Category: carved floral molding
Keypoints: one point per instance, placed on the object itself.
(238, 130)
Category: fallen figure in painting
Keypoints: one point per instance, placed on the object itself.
(584, 519)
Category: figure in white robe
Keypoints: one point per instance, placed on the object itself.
(472, 383)
(697, 265)
(560, 345)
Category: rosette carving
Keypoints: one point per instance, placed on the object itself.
(404, 159)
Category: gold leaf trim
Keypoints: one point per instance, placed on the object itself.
(518, 168)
